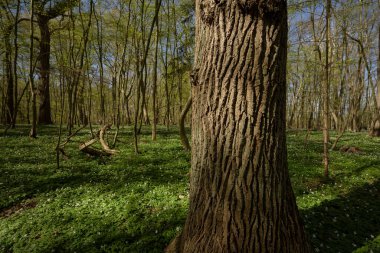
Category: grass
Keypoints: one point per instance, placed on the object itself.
(131, 203)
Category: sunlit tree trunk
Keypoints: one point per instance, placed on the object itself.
(241, 198)
(166, 66)
(376, 128)
(326, 88)
(154, 88)
(80, 75)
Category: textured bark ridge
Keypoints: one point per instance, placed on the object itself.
(241, 198)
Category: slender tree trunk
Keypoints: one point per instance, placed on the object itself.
(28, 97)
(99, 34)
(182, 129)
(62, 104)
(317, 57)
(137, 107)
(376, 124)
(33, 130)
(140, 69)
(80, 75)
(89, 93)
(144, 117)
(15, 59)
(154, 95)
(3, 115)
(326, 88)
(241, 198)
(166, 63)
(357, 89)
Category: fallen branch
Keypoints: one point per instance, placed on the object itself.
(86, 148)
(87, 144)
(94, 152)
(103, 142)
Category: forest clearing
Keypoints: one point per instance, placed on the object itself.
(131, 203)
(190, 126)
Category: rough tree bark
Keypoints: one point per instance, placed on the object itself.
(241, 198)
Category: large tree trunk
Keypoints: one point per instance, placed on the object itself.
(241, 199)
(44, 116)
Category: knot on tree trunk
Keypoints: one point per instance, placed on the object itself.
(264, 8)
(207, 9)
(194, 77)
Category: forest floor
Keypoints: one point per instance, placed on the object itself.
(137, 203)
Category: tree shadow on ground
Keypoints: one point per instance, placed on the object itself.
(365, 166)
(23, 130)
(150, 233)
(23, 177)
(30, 182)
(138, 230)
(346, 223)
(340, 225)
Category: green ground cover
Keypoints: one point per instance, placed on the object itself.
(137, 203)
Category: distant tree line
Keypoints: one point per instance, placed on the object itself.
(129, 62)
(116, 61)
(350, 58)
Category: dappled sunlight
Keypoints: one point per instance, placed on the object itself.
(137, 203)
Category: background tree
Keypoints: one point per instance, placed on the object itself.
(45, 11)
(33, 130)
(326, 98)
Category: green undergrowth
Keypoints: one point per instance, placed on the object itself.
(137, 203)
